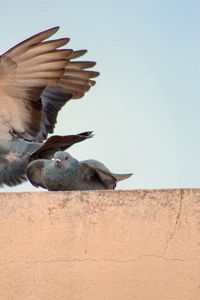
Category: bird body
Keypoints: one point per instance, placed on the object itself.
(65, 172)
(56, 176)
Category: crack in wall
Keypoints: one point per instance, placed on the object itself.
(175, 225)
(100, 260)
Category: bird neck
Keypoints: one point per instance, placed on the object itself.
(72, 171)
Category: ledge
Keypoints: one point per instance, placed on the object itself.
(135, 244)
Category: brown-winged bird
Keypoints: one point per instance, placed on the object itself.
(37, 78)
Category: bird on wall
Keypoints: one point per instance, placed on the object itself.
(64, 172)
(37, 78)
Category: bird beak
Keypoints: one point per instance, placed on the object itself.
(57, 162)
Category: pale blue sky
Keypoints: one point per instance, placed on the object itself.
(145, 106)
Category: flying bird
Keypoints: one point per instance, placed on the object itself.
(37, 78)
(65, 173)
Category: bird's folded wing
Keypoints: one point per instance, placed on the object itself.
(34, 172)
(92, 169)
(25, 70)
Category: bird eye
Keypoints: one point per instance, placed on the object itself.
(66, 158)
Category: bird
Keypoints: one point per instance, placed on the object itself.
(37, 78)
(65, 173)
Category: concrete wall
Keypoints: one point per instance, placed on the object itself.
(142, 244)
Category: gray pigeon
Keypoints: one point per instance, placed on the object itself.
(65, 173)
(36, 79)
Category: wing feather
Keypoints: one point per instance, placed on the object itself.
(35, 39)
(72, 85)
(25, 70)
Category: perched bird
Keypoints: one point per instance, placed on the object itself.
(64, 172)
(37, 78)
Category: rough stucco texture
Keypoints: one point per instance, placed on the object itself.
(142, 244)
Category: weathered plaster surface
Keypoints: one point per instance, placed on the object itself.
(140, 244)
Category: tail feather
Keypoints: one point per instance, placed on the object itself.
(120, 177)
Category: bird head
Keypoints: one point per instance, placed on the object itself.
(63, 159)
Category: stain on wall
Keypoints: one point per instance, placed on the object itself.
(135, 244)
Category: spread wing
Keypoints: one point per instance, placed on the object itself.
(75, 81)
(25, 70)
(57, 143)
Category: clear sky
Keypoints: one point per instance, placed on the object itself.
(145, 106)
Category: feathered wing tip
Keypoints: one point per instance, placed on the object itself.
(87, 134)
(57, 142)
(78, 78)
(34, 39)
(120, 177)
